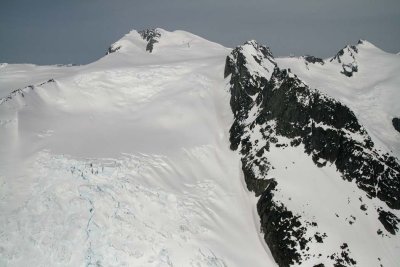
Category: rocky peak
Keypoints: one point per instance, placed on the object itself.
(250, 66)
(257, 58)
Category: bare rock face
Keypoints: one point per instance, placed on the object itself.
(396, 124)
(281, 106)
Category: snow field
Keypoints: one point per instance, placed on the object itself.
(127, 163)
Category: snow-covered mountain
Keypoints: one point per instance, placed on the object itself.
(328, 194)
(172, 150)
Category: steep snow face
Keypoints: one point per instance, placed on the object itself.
(372, 92)
(328, 196)
(126, 162)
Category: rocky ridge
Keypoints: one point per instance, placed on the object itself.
(274, 108)
(21, 91)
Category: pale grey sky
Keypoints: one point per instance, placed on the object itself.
(80, 31)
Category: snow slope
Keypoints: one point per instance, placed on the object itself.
(125, 162)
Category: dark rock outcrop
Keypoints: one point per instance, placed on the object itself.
(326, 128)
(347, 51)
(396, 124)
(349, 69)
(113, 49)
(389, 221)
(343, 258)
(347, 57)
(283, 230)
(313, 60)
(151, 36)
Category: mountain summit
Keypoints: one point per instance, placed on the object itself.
(162, 45)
